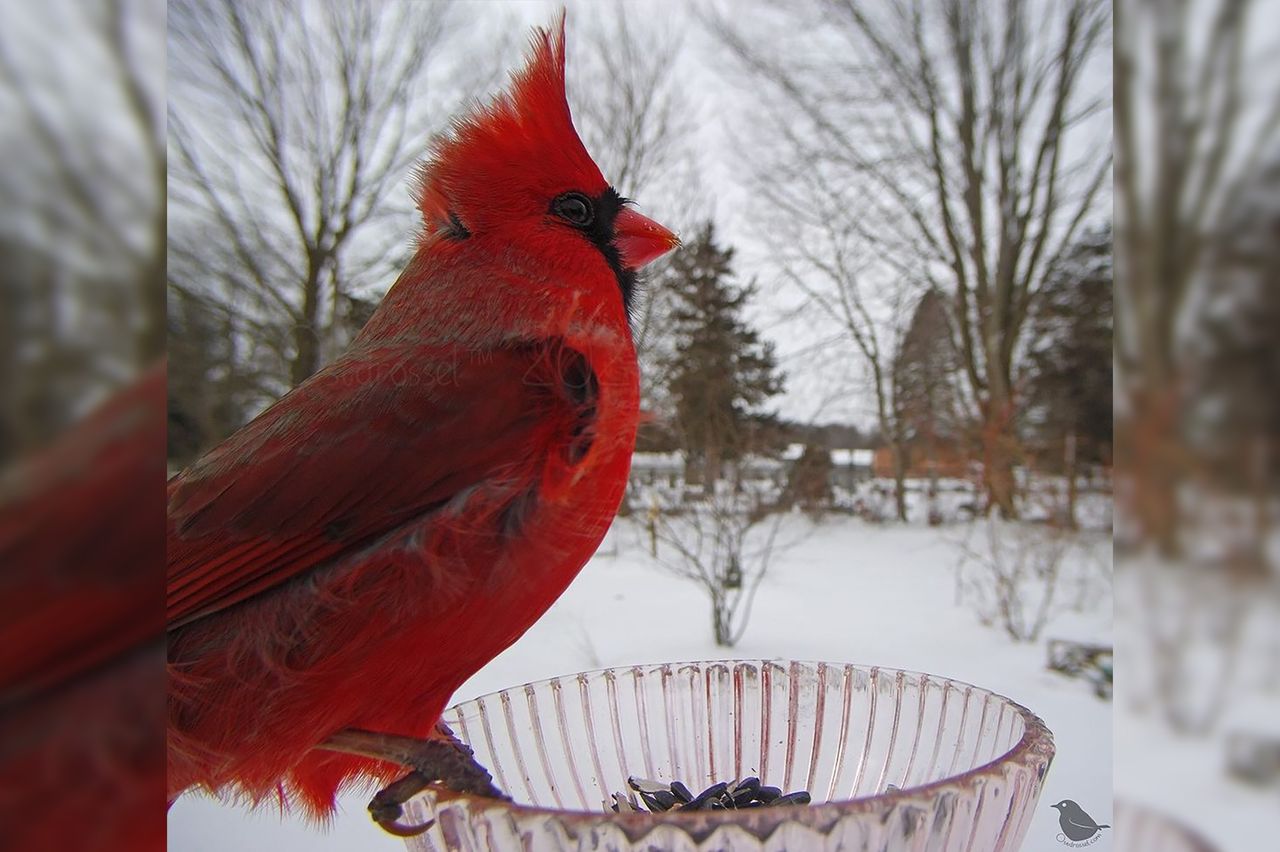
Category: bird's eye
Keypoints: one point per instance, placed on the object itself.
(575, 208)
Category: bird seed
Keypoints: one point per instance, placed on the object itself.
(743, 794)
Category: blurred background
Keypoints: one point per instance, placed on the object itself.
(82, 435)
(894, 419)
(1197, 359)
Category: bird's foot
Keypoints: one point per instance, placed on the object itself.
(444, 762)
(387, 807)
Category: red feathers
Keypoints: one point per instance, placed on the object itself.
(355, 553)
(522, 146)
(81, 685)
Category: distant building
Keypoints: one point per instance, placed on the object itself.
(849, 467)
(759, 468)
(944, 460)
(657, 468)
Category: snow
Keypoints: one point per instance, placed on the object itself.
(642, 463)
(844, 591)
(1230, 637)
(862, 458)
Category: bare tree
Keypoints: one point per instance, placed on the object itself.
(1197, 137)
(823, 256)
(1189, 646)
(724, 543)
(1194, 128)
(630, 106)
(965, 139)
(82, 214)
(637, 118)
(293, 131)
(810, 217)
(1011, 577)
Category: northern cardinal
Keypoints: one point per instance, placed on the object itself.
(81, 678)
(339, 566)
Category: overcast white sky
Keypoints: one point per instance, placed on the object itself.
(824, 382)
(723, 111)
(721, 106)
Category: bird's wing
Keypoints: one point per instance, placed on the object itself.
(79, 541)
(1085, 822)
(359, 449)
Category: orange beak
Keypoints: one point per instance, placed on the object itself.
(640, 240)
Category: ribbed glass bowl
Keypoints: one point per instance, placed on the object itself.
(894, 760)
(1140, 829)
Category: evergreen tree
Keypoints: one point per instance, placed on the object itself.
(1070, 362)
(722, 372)
(926, 400)
(810, 485)
(220, 374)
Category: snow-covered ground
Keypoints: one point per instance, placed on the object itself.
(1225, 638)
(844, 591)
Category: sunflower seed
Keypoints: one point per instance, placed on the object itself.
(768, 794)
(651, 802)
(724, 795)
(707, 795)
(666, 799)
(644, 785)
(798, 798)
(622, 804)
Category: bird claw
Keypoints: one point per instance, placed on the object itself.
(387, 807)
(451, 764)
(446, 762)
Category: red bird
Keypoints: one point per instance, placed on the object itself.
(82, 759)
(339, 566)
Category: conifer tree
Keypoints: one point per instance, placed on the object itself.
(1070, 394)
(926, 400)
(810, 485)
(722, 372)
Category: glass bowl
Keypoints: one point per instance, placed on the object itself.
(893, 760)
(1140, 829)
